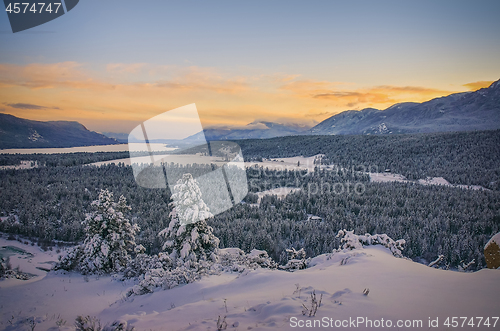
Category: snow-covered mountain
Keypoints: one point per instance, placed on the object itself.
(254, 130)
(479, 110)
(17, 132)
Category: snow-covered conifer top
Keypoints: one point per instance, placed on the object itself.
(494, 239)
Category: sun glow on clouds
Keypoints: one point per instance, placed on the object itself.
(478, 85)
(120, 96)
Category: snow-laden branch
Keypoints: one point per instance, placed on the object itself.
(349, 240)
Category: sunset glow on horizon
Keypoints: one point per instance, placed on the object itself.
(112, 77)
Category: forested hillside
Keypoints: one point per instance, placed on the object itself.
(468, 158)
(50, 203)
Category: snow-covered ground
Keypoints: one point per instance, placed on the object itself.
(262, 299)
(290, 163)
(183, 159)
(23, 165)
(389, 177)
(280, 192)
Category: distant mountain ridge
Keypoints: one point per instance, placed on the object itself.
(254, 130)
(17, 132)
(466, 111)
(479, 110)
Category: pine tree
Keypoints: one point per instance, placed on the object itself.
(189, 205)
(189, 239)
(110, 238)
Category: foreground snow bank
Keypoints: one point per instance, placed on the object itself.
(260, 299)
(264, 299)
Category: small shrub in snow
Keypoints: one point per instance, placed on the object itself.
(296, 260)
(142, 263)
(89, 323)
(232, 260)
(315, 304)
(349, 240)
(6, 271)
(260, 259)
(221, 324)
(3, 268)
(466, 266)
(166, 279)
(235, 260)
(159, 275)
(436, 262)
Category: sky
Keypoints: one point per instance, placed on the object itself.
(112, 64)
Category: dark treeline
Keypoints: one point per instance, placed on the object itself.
(68, 159)
(432, 219)
(468, 158)
(50, 203)
(62, 159)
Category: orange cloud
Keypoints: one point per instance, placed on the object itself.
(478, 85)
(381, 96)
(97, 97)
(28, 106)
(308, 87)
(46, 76)
(130, 68)
(123, 95)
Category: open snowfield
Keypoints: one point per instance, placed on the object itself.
(280, 192)
(24, 165)
(262, 299)
(389, 177)
(183, 159)
(290, 163)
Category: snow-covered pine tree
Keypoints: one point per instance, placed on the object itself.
(189, 239)
(109, 238)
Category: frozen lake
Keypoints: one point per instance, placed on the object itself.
(90, 149)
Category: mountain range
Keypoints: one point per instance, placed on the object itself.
(22, 133)
(254, 130)
(478, 110)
